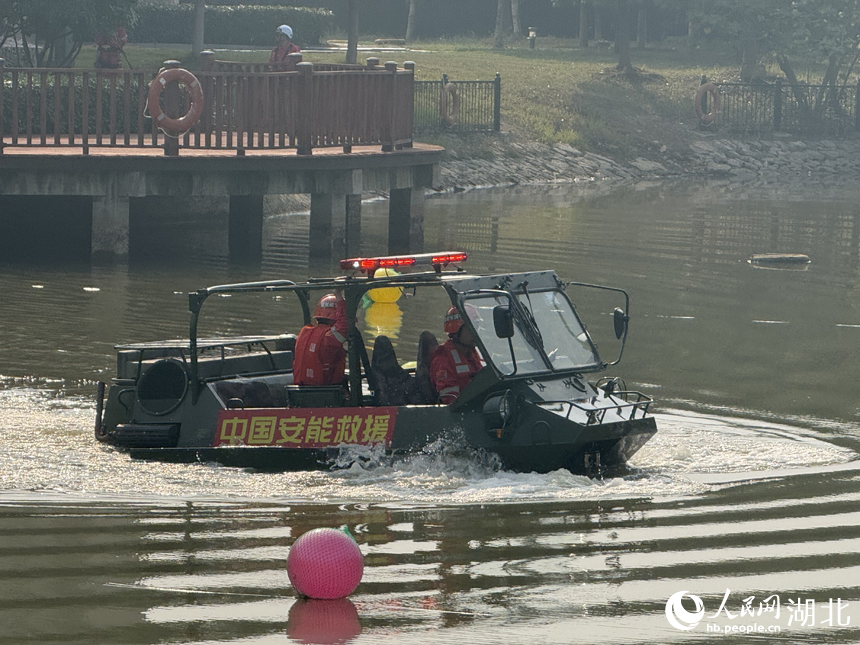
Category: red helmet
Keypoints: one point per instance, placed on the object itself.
(453, 321)
(326, 307)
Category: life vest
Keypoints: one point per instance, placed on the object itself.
(452, 370)
(320, 356)
(282, 54)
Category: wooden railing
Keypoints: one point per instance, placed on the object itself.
(211, 64)
(314, 106)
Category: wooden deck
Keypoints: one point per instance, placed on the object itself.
(149, 150)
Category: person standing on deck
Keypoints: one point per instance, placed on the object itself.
(320, 354)
(456, 362)
(110, 48)
(285, 45)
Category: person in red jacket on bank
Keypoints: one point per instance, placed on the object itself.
(456, 361)
(285, 45)
(110, 48)
(320, 354)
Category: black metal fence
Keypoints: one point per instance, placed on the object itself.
(477, 107)
(778, 106)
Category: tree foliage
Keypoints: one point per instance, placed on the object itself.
(818, 31)
(805, 29)
(56, 30)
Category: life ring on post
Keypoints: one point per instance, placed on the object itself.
(450, 113)
(707, 88)
(183, 124)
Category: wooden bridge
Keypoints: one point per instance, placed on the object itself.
(333, 131)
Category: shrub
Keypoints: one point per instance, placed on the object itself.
(230, 25)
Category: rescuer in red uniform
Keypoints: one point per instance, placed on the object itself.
(456, 361)
(320, 354)
(110, 47)
(281, 52)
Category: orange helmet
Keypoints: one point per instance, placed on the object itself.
(453, 321)
(326, 307)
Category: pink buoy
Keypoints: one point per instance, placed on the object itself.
(323, 622)
(325, 564)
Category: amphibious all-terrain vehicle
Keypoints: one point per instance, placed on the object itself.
(537, 404)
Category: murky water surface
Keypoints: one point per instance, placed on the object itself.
(747, 498)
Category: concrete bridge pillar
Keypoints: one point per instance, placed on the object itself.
(335, 226)
(353, 226)
(110, 228)
(245, 229)
(327, 232)
(406, 220)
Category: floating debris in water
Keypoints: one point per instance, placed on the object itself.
(779, 258)
(780, 261)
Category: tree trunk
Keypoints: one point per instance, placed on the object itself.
(499, 35)
(410, 21)
(583, 24)
(352, 39)
(642, 26)
(800, 96)
(827, 92)
(515, 18)
(622, 36)
(28, 57)
(62, 51)
(598, 23)
(749, 59)
(197, 39)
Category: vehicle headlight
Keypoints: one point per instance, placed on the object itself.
(499, 410)
(505, 409)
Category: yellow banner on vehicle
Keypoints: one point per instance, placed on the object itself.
(305, 428)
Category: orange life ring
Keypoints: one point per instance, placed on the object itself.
(450, 114)
(708, 88)
(183, 124)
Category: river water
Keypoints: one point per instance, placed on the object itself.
(745, 503)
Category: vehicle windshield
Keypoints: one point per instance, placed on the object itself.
(561, 334)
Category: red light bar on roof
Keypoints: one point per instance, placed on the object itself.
(369, 265)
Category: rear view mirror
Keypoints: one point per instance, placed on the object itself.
(503, 322)
(619, 319)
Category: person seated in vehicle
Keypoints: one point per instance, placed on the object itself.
(427, 346)
(456, 361)
(394, 385)
(320, 354)
(244, 393)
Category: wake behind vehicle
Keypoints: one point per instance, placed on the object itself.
(233, 400)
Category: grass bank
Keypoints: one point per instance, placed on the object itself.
(554, 93)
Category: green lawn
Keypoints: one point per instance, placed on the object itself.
(561, 93)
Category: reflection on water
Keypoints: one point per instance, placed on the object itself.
(192, 572)
(749, 486)
(383, 319)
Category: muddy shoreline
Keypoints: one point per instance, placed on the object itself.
(781, 163)
(785, 158)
